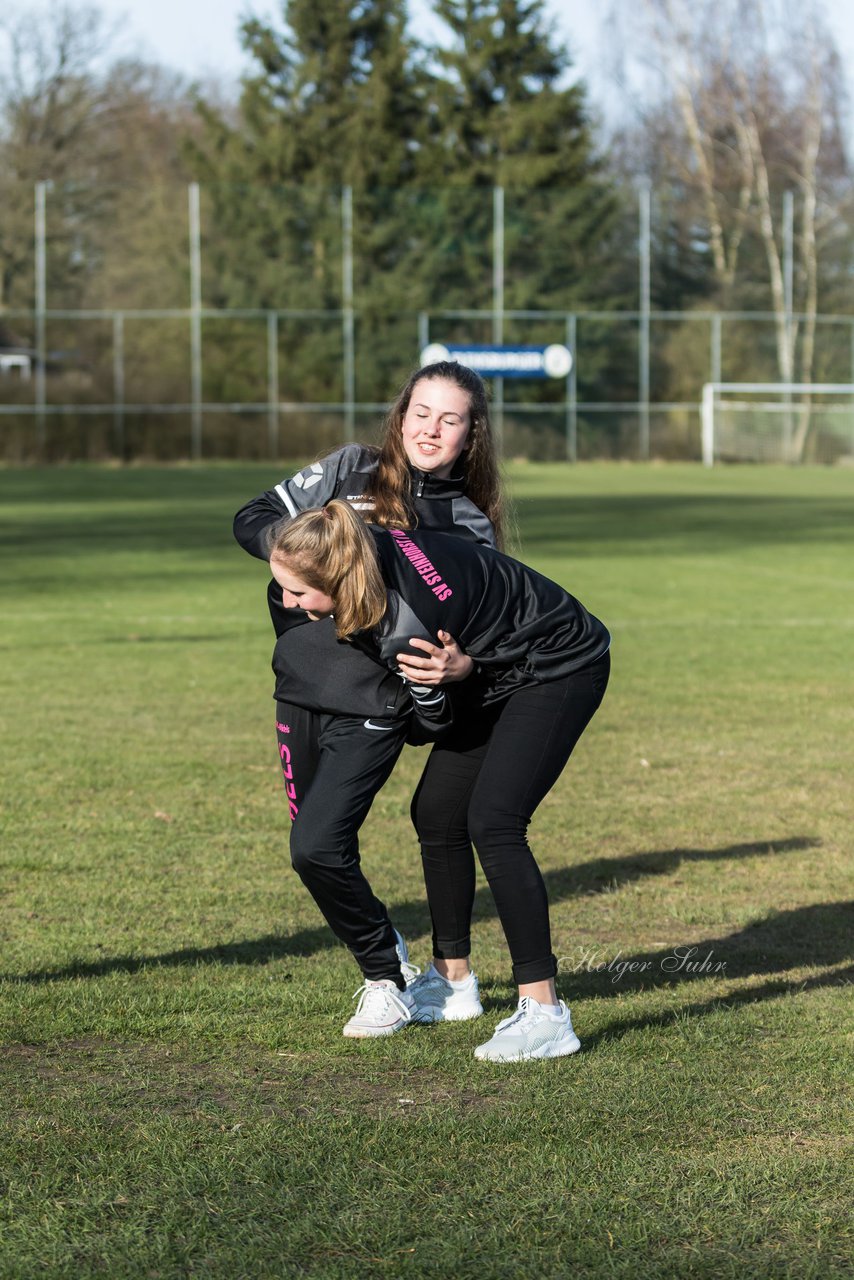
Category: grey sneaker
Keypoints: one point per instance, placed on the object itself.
(437, 1001)
(382, 1010)
(531, 1032)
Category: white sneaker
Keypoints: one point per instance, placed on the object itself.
(436, 1000)
(410, 971)
(382, 1010)
(531, 1032)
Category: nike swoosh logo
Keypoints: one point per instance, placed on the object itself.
(384, 727)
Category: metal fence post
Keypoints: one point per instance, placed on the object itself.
(498, 305)
(707, 424)
(119, 383)
(347, 316)
(644, 201)
(41, 305)
(273, 383)
(572, 392)
(195, 322)
(788, 296)
(715, 358)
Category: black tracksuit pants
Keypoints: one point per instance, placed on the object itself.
(480, 787)
(333, 766)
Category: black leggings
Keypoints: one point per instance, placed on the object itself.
(333, 766)
(480, 787)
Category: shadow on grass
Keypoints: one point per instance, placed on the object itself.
(684, 522)
(96, 642)
(607, 875)
(806, 937)
(771, 990)
(158, 510)
(601, 875)
(254, 951)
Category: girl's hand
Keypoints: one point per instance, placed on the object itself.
(440, 666)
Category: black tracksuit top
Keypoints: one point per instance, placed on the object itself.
(519, 627)
(312, 668)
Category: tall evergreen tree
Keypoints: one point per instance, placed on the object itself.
(508, 114)
(507, 117)
(334, 101)
(342, 96)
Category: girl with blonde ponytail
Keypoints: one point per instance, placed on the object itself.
(330, 549)
(341, 717)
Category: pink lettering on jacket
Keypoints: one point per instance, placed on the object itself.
(421, 564)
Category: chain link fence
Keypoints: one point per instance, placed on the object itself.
(206, 383)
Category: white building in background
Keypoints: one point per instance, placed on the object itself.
(12, 360)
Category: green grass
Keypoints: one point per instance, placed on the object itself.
(177, 1099)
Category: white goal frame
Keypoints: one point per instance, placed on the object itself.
(712, 390)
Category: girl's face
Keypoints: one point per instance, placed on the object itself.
(297, 594)
(436, 426)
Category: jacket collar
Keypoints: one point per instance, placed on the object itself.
(426, 485)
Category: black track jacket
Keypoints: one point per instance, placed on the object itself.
(312, 667)
(519, 627)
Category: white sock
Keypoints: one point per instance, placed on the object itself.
(554, 1009)
(456, 983)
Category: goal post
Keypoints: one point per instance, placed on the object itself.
(768, 421)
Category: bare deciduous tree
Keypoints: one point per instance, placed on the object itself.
(49, 118)
(753, 96)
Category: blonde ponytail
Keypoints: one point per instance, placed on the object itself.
(331, 549)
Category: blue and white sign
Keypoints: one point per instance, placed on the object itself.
(554, 361)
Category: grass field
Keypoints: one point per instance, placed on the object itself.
(177, 1099)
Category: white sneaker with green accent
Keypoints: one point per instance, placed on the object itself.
(531, 1032)
(437, 1000)
(382, 1010)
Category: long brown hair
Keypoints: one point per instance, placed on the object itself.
(331, 550)
(392, 487)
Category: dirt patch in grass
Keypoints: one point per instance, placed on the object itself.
(808, 1145)
(261, 1084)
